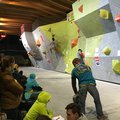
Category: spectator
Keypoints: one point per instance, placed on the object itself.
(73, 112)
(40, 107)
(10, 90)
(16, 73)
(32, 87)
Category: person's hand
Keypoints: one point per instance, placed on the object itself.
(77, 93)
(50, 113)
(74, 96)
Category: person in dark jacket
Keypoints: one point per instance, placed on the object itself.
(10, 90)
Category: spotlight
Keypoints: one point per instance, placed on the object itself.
(2, 35)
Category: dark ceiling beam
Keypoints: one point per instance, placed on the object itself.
(39, 7)
(22, 15)
(12, 24)
(48, 8)
(41, 19)
(66, 3)
(10, 32)
(55, 5)
(9, 27)
(18, 9)
(13, 16)
(14, 21)
(14, 13)
(27, 18)
(70, 1)
(63, 3)
(25, 8)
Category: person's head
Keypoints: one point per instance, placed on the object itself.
(73, 111)
(80, 50)
(53, 39)
(23, 79)
(32, 76)
(21, 72)
(16, 67)
(44, 97)
(7, 62)
(43, 117)
(76, 62)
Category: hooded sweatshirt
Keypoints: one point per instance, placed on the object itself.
(39, 107)
(31, 82)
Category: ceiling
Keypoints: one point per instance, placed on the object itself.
(14, 13)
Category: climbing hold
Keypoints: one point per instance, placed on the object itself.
(74, 42)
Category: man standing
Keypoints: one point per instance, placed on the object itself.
(86, 84)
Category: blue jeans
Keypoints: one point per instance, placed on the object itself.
(94, 93)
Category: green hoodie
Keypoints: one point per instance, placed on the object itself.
(39, 107)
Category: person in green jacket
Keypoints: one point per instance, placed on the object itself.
(40, 107)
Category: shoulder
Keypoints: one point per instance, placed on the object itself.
(7, 80)
(83, 117)
(73, 71)
(6, 76)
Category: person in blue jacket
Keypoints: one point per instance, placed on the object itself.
(87, 83)
(32, 87)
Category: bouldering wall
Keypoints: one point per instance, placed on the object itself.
(94, 29)
(64, 33)
(102, 36)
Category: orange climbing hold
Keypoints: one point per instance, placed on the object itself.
(38, 43)
(81, 9)
(74, 42)
(117, 18)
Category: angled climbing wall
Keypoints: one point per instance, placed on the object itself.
(102, 32)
